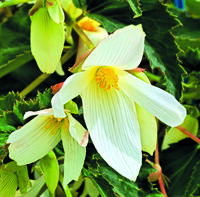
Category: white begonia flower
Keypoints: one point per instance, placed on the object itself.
(109, 95)
(39, 136)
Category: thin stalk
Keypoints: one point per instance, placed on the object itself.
(34, 84)
(152, 76)
(161, 182)
(83, 36)
(44, 76)
(196, 139)
(68, 192)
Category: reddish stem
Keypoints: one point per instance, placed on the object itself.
(196, 139)
(161, 183)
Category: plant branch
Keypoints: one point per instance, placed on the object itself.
(44, 76)
(186, 132)
(161, 182)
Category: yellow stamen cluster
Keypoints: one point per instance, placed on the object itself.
(106, 78)
(55, 123)
(88, 24)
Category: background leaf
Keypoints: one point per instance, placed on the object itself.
(178, 164)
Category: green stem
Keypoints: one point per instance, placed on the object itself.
(12, 2)
(34, 84)
(83, 36)
(44, 76)
(52, 194)
(152, 77)
(68, 192)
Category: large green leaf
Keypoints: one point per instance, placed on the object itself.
(188, 38)
(14, 36)
(179, 164)
(160, 47)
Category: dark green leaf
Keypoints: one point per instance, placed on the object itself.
(18, 42)
(135, 5)
(21, 107)
(178, 164)
(4, 126)
(160, 47)
(110, 183)
(79, 3)
(20, 60)
(194, 181)
(44, 98)
(7, 102)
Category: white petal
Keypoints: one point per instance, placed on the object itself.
(155, 100)
(45, 112)
(77, 131)
(71, 88)
(124, 48)
(148, 129)
(94, 36)
(111, 119)
(33, 141)
(74, 158)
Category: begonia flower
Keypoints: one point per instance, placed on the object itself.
(109, 95)
(39, 136)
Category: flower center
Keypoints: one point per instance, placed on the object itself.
(56, 123)
(106, 78)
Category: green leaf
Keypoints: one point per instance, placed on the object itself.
(110, 183)
(4, 126)
(189, 29)
(195, 178)
(157, 23)
(23, 178)
(21, 107)
(175, 135)
(191, 57)
(44, 98)
(72, 107)
(191, 87)
(135, 5)
(50, 167)
(178, 164)
(193, 7)
(13, 64)
(7, 102)
(14, 35)
(80, 3)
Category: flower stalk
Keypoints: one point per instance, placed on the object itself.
(44, 76)
(186, 132)
(160, 180)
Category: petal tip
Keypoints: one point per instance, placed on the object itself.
(84, 141)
